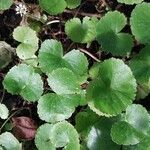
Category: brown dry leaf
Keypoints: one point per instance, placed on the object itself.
(24, 127)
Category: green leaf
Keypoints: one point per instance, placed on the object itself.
(77, 61)
(9, 142)
(6, 52)
(133, 127)
(64, 81)
(113, 90)
(5, 4)
(130, 2)
(140, 23)
(85, 120)
(109, 36)
(144, 145)
(53, 7)
(95, 131)
(53, 108)
(99, 137)
(73, 3)
(59, 135)
(23, 80)
(86, 28)
(29, 42)
(4, 112)
(140, 65)
(52, 51)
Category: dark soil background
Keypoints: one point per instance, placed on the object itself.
(10, 20)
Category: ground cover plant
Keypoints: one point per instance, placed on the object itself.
(74, 74)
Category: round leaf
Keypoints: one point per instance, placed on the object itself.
(134, 126)
(53, 7)
(29, 42)
(86, 28)
(140, 23)
(52, 51)
(23, 80)
(64, 81)
(53, 108)
(59, 135)
(9, 142)
(108, 35)
(130, 2)
(4, 112)
(5, 4)
(113, 90)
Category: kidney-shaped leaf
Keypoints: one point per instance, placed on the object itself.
(29, 42)
(81, 32)
(51, 58)
(23, 80)
(134, 126)
(109, 36)
(53, 108)
(113, 90)
(62, 134)
(140, 23)
(53, 7)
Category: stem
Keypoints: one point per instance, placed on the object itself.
(84, 14)
(53, 21)
(89, 54)
(2, 96)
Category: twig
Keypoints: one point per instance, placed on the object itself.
(89, 54)
(84, 14)
(2, 96)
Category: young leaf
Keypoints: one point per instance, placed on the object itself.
(134, 126)
(140, 24)
(130, 2)
(5, 4)
(59, 135)
(9, 142)
(73, 3)
(86, 28)
(4, 112)
(53, 7)
(29, 42)
(52, 51)
(23, 80)
(53, 108)
(109, 36)
(113, 90)
(64, 81)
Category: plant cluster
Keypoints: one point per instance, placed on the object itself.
(109, 116)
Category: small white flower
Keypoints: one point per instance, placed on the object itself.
(21, 9)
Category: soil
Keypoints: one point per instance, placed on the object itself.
(10, 20)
